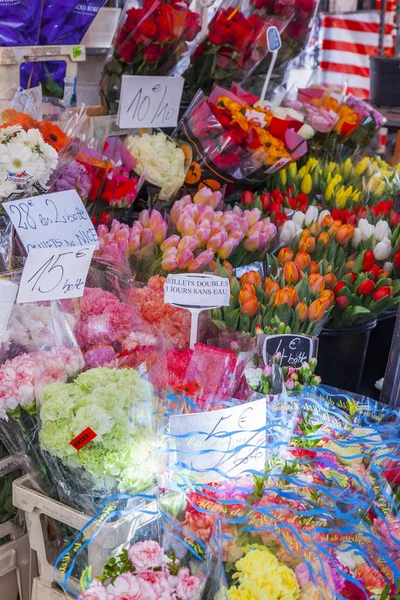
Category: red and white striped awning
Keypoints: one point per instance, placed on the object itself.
(347, 41)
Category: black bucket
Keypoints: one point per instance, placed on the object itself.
(378, 353)
(341, 355)
(385, 81)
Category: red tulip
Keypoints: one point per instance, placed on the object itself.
(352, 277)
(247, 198)
(396, 260)
(375, 271)
(342, 302)
(366, 287)
(338, 287)
(368, 260)
(386, 290)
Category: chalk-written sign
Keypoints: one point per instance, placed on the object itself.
(149, 101)
(55, 273)
(294, 349)
(227, 442)
(396, 203)
(201, 291)
(52, 221)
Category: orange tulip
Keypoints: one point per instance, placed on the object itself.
(293, 294)
(345, 234)
(301, 309)
(307, 244)
(305, 232)
(250, 306)
(314, 268)
(285, 296)
(285, 255)
(291, 273)
(315, 229)
(253, 277)
(316, 283)
(316, 311)
(228, 268)
(351, 264)
(327, 221)
(270, 286)
(336, 225)
(328, 298)
(330, 281)
(302, 260)
(247, 291)
(324, 238)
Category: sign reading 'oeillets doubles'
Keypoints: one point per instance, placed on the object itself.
(196, 290)
(149, 101)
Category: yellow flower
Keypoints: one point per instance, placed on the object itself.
(292, 169)
(362, 166)
(239, 594)
(347, 167)
(283, 176)
(330, 190)
(306, 184)
(302, 172)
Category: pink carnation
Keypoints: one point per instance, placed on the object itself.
(189, 586)
(154, 586)
(146, 555)
(125, 587)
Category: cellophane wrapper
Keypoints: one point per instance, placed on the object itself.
(149, 554)
(294, 495)
(151, 38)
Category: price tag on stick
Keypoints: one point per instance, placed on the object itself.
(55, 273)
(149, 101)
(294, 349)
(274, 45)
(195, 293)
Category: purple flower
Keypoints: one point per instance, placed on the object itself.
(75, 177)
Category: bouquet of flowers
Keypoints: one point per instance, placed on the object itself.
(260, 378)
(235, 142)
(369, 119)
(150, 39)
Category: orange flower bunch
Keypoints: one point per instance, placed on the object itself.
(51, 133)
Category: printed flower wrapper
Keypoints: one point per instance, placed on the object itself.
(308, 510)
(154, 562)
(151, 38)
(227, 154)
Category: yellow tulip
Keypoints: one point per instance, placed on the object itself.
(331, 167)
(380, 190)
(330, 190)
(292, 169)
(362, 166)
(306, 184)
(283, 176)
(302, 173)
(347, 167)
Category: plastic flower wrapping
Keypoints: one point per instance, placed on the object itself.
(151, 38)
(235, 140)
(294, 498)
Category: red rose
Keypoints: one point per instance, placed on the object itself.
(368, 260)
(396, 260)
(366, 287)
(127, 51)
(133, 17)
(342, 302)
(227, 161)
(152, 52)
(148, 30)
(375, 271)
(121, 37)
(192, 26)
(338, 287)
(384, 291)
(221, 31)
(198, 52)
(165, 23)
(247, 198)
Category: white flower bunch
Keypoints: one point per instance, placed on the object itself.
(380, 234)
(25, 159)
(160, 160)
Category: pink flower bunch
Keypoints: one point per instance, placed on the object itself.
(21, 376)
(319, 119)
(123, 241)
(104, 323)
(172, 322)
(151, 578)
(202, 232)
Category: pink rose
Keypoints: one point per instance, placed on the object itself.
(146, 555)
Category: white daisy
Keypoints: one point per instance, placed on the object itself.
(50, 156)
(8, 132)
(6, 187)
(34, 138)
(20, 158)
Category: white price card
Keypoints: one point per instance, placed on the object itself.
(29, 102)
(55, 273)
(149, 101)
(227, 442)
(8, 293)
(205, 291)
(52, 221)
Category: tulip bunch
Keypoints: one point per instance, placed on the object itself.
(365, 291)
(299, 299)
(203, 233)
(275, 204)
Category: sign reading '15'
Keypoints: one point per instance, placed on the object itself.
(149, 101)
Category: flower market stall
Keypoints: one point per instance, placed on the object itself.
(198, 294)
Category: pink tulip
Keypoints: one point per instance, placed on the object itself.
(227, 248)
(206, 214)
(228, 219)
(113, 249)
(255, 215)
(184, 257)
(160, 233)
(137, 227)
(244, 222)
(237, 234)
(264, 239)
(237, 210)
(257, 227)
(203, 196)
(217, 197)
(218, 216)
(216, 241)
(216, 228)
(170, 262)
(203, 233)
(171, 242)
(186, 226)
(144, 217)
(252, 242)
(123, 234)
(102, 230)
(201, 261)
(134, 244)
(155, 220)
(108, 238)
(192, 212)
(146, 237)
(123, 246)
(178, 207)
(188, 241)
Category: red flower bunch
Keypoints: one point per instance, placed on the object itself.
(273, 204)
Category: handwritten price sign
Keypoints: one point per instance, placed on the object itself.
(149, 101)
(55, 273)
(29, 102)
(52, 221)
(227, 442)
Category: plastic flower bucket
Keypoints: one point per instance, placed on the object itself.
(341, 355)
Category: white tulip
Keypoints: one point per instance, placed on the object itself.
(382, 230)
(388, 266)
(253, 376)
(357, 238)
(367, 230)
(289, 231)
(298, 218)
(322, 215)
(383, 250)
(311, 215)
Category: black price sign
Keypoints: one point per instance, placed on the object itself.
(294, 349)
(396, 203)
